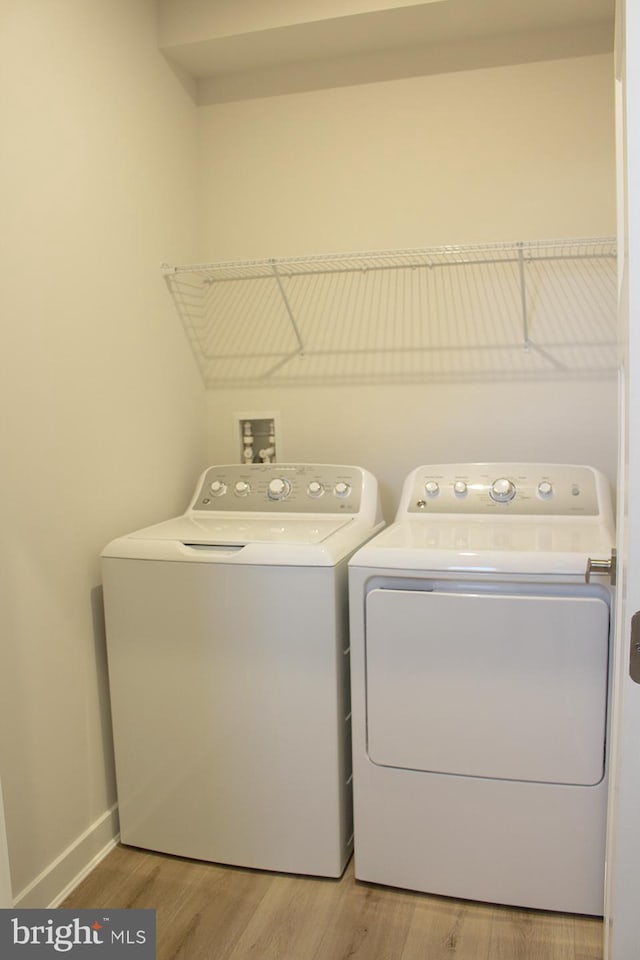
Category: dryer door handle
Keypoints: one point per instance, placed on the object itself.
(606, 567)
(634, 649)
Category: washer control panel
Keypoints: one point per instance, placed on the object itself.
(280, 487)
(503, 488)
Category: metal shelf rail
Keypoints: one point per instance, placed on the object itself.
(525, 310)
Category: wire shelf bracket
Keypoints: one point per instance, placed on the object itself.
(287, 306)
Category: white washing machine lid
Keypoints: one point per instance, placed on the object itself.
(557, 547)
(281, 540)
(240, 530)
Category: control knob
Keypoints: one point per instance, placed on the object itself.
(545, 489)
(278, 488)
(460, 488)
(431, 488)
(503, 490)
(315, 489)
(217, 488)
(242, 488)
(342, 489)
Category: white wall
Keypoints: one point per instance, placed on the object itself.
(510, 153)
(103, 411)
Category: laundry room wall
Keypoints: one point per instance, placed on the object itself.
(506, 153)
(103, 418)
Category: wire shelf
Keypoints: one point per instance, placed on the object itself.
(494, 311)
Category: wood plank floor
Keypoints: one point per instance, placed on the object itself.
(211, 912)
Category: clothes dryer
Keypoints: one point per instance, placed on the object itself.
(227, 642)
(480, 638)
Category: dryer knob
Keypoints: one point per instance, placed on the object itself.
(503, 490)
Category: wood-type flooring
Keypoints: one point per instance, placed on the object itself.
(211, 912)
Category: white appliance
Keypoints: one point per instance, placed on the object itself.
(227, 641)
(479, 665)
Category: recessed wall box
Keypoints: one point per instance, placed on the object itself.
(258, 436)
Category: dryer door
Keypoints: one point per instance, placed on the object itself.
(500, 685)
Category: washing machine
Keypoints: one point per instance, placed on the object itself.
(480, 642)
(227, 643)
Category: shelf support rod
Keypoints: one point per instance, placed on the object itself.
(287, 307)
(523, 299)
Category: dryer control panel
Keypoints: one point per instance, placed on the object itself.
(508, 489)
(281, 488)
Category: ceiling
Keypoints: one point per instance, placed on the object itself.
(265, 47)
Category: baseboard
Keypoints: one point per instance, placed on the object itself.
(61, 876)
